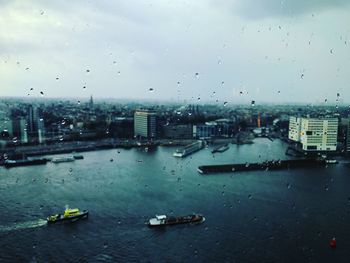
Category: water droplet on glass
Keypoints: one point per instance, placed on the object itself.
(331, 51)
(253, 103)
(219, 62)
(42, 94)
(250, 196)
(88, 70)
(326, 188)
(289, 185)
(196, 75)
(225, 103)
(150, 89)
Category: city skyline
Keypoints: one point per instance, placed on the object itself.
(238, 52)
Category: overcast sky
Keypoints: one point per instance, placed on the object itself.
(216, 50)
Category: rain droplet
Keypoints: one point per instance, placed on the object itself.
(326, 188)
(42, 94)
(253, 103)
(196, 75)
(250, 197)
(225, 103)
(289, 185)
(241, 93)
(150, 89)
(302, 76)
(57, 78)
(331, 51)
(219, 62)
(88, 70)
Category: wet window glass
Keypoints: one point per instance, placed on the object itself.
(174, 131)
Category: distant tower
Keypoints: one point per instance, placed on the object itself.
(259, 121)
(91, 103)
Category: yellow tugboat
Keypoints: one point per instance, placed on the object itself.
(70, 215)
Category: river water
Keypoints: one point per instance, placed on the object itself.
(263, 216)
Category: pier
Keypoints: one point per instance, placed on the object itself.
(264, 166)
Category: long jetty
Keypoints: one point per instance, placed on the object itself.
(264, 166)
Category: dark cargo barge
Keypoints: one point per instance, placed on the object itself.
(24, 162)
(268, 165)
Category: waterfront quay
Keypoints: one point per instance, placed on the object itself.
(267, 165)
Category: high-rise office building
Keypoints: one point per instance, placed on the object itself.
(20, 130)
(314, 134)
(145, 124)
(35, 125)
(348, 137)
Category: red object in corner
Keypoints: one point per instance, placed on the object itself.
(333, 242)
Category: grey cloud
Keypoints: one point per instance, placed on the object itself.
(270, 8)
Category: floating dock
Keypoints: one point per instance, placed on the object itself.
(264, 166)
(220, 149)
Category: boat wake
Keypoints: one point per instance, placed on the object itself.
(23, 225)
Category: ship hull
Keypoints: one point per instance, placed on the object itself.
(190, 219)
(62, 219)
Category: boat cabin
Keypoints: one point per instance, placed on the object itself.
(71, 212)
(161, 217)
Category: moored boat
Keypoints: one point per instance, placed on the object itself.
(163, 220)
(24, 162)
(69, 215)
(63, 159)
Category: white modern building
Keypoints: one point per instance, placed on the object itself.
(314, 134)
(294, 129)
(145, 124)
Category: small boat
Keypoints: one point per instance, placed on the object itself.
(331, 161)
(163, 220)
(63, 159)
(70, 215)
(78, 157)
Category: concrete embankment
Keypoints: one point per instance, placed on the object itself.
(268, 165)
